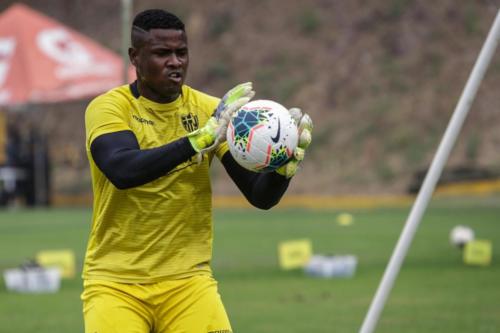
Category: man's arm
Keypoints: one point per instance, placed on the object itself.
(119, 157)
(263, 190)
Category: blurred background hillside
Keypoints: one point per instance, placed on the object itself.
(379, 78)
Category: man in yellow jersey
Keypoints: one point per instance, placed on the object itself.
(147, 266)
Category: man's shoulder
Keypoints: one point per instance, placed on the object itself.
(118, 95)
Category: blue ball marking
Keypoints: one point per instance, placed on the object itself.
(244, 121)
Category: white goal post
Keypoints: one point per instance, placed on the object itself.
(429, 184)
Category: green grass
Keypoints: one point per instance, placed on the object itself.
(434, 292)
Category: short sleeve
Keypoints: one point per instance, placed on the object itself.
(105, 115)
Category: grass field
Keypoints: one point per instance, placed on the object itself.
(435, 292)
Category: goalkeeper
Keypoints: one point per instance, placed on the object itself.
(150, 144)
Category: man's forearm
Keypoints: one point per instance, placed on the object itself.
(263, 190)
(120, 158)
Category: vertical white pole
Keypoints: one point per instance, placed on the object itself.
(126, 13)
(432, 177)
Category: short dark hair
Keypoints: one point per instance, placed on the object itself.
(157, 19)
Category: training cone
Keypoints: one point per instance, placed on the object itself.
(345, 219)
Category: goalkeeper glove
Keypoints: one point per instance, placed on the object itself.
(232, 101)
(205, 136)
(305, 126)
(208, 137)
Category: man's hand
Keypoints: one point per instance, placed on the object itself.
(232, 101)
(305, 126)
(208, 137)
(205, 136)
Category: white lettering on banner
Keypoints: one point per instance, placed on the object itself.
(74, 58)
(7, 46)
(58, 45)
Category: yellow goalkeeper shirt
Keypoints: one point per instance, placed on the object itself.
(163, 229)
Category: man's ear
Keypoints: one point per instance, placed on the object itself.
(132, 55)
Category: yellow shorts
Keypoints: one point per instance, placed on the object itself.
(191, 305)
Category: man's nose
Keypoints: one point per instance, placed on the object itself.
(174, 60)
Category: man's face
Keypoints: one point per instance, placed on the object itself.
(161, 62)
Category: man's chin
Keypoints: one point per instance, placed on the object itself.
(173, 87)
(172, 93)
(160, 91)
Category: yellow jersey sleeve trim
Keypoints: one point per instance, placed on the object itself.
(221, 150)
(105, 115)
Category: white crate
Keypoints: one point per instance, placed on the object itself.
(33, 280)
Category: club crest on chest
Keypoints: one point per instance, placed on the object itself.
(190, 122)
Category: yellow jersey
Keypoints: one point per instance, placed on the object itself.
(163, 229)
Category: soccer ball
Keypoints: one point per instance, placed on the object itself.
(460, 235)
(262, 136)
